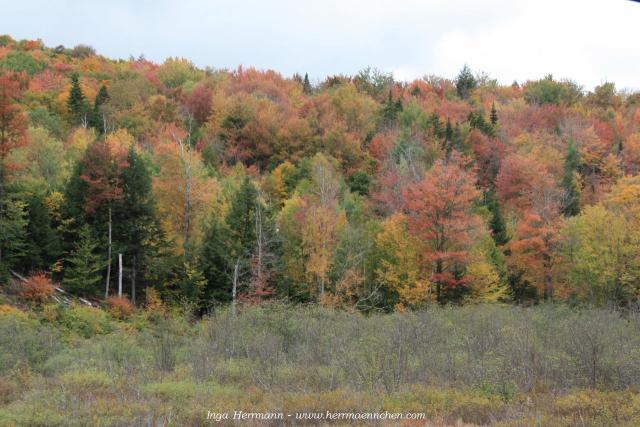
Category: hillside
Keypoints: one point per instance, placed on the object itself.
(358, 192)
(177, 241)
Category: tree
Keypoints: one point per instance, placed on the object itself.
(440, 214)
(83, 271)
(398, 266)
(465, 82)
(494, 115)
(306, 85)
(571, 188)
(98, 121)
(233, 249)
(13, 234)
(600, 252)
(13, 126)
(77, 103)
(496, 221)
(137, 229)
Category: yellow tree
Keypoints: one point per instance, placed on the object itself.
(398, 269)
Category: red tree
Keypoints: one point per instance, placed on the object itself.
(13, 124)
(440, 214)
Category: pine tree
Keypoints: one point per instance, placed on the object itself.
(137, 231)
(571, 205)
(465, 82)
(13, 234)
(494, 115)
(496, 222)
(77, 104)
(306, 85)
(83, 274)
(96, 116)
(228, 245)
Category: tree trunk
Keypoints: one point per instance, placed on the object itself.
(119, 275)
(234, 289)
(133, 281)
(106, 292)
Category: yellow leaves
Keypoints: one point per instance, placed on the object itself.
(400, 263)
(485, 282)
(600, 255)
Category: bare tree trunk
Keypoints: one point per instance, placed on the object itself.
(119, 275)
(259, 243)
(106, 292)
(133, 281)
(234, 289)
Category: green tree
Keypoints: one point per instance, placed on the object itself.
(494, 115)
(306, 85)
(77, 103)
(465, 82)
(496, 221)
(229, 245)
(13, 233)
(97, 114)
(83, 272)
(137, 231)
(571, 199)
(600, 253)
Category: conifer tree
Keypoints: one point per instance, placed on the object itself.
(496, 222)
(494, 115)
(306, 84)
(77, 103)
(465, 82)
(96, 116)
(571, 199)
(84, 267)
(13, 234)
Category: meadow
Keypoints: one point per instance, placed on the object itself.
(474, 365)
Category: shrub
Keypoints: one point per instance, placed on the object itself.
(119, 307)
(85, 321)
(38, 288)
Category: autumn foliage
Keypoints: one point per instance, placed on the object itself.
(355, 192)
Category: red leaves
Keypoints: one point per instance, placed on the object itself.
(439, 208)
(102, 171)
(13, 123)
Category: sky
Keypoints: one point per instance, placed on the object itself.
(588, 41)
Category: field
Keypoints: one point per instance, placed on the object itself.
(475, 365)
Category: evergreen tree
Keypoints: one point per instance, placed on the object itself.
(77, 104)
(390, 110)
(465, 82)
(496, 222)
(13, 234)
(571, 205)
(83, 274)
(494, 115)
(306, 85)
(96, 116)
(44, 242)
(137, 232)
(228, 245)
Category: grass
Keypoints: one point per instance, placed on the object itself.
(475, 365)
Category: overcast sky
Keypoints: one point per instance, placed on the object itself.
(589, 41)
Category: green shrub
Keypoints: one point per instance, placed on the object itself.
(85, 321)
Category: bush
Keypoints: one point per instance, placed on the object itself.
(38, 288)
(84, 321)
(119, 307)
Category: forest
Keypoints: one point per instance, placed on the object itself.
(172, 227)
(359, 192)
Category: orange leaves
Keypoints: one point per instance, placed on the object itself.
(439, 209)
(13, 123)
(38, 288)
